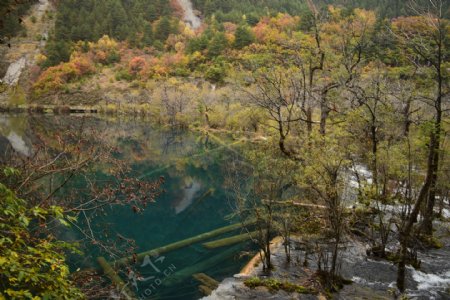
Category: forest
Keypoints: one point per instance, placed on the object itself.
(337, 112)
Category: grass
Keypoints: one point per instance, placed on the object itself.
(274, 285)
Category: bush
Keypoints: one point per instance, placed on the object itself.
(32, 265)
(54, 78)
(123, 75)
(215, 74)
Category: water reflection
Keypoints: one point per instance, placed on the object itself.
(13, 128)
(195, 200)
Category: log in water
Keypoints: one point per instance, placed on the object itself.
(230, 240)
(203, 265)
(177, 245)
(115, 278)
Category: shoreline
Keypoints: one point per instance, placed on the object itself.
(254, 262)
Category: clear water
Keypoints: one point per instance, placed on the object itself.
(191, 166)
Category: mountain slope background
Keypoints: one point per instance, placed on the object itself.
(127, 38)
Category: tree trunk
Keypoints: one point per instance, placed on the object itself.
(373, 133)
(433, 164)
(283, 146)
(406, 122)
(433, 161)
(309, 122)
(401, 271)
(335, 255)
(324, 112)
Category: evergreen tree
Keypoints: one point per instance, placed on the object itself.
(148, 35)
(217, 45)
(243, 37)
(57, 51)
(163, 29)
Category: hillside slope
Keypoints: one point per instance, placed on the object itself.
(20, 53)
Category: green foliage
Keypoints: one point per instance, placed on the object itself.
(32, 265)
(233, 10)
(217, 45)
(275, 285)
(56, 52)
(11, 13)
(216, 73)
(89, 20)
(163, 29)
(243, 37)
(123, 75)
(197, 44)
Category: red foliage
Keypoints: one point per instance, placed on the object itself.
(136, 65)
(177, 9)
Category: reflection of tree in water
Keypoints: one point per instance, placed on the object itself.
(173, 141)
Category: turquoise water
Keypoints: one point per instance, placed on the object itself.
(195, 201)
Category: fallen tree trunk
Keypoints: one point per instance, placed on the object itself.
(206, 281)
(115, 278)
(177, 245)
(200, 267)
(230, 240)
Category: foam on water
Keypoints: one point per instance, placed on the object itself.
(431, 281)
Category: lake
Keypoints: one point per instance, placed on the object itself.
(196, 199)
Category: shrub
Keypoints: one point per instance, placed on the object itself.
(54, 78)
(32, 266)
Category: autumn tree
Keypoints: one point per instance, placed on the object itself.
(324, 176)
(426, 41)
(277, 91)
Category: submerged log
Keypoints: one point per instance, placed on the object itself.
(184, 274)
(230, 240)
(115, 278)
(177, 245)
(206, 280)
(205, 290)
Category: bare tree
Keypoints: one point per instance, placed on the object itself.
(278, 92)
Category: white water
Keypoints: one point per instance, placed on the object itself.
(429, 281)
(189, 16)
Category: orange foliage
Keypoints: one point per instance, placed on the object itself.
(55, 77)
(276, 29)
(414, 25)
(103, 49)
(177, 9)
(229, 27)
(136, 65)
